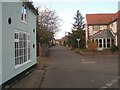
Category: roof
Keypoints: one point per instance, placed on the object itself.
(30, 5)
(99, 18)
(115, 17)
(102, 18)
(103, 34)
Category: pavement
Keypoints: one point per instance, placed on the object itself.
(35, 78)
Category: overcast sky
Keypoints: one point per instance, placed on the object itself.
(66, 10)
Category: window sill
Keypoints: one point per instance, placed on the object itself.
(23, 21)
(18, 66)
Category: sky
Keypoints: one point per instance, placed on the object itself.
(66, 10)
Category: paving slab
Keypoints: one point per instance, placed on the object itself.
(32, 80)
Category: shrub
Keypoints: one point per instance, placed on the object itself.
(92, 45)
(114, 48)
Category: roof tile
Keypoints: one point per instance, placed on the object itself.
(99, 18)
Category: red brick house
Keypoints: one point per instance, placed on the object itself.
(102, 28)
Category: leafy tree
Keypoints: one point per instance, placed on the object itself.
(77, 32)
(79, 22)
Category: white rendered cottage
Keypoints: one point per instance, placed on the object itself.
(17, 38)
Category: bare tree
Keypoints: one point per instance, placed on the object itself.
(48, 24)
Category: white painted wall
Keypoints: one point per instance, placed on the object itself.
(0, 43)
(102, 27)
(113, 26)
(86, 35)
(13, 10)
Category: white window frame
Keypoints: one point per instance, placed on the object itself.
(23, 16)
(21, 52)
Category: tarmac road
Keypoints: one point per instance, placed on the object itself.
(66, 69)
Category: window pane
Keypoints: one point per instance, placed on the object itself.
(104, 40)
(21, 60)
(25, 58)
(108, 40)
(29, 57)
(22, 50)
(112, 41)
(15, 53)
(25, 10)
(96, 27)
(25, 50)
(108, 45)
(100, 45)
(17, 45)
(22, 9)
(104, 45)
(24, 36)
(15, 35)
(18, 51)
(15, 61)
(28, 44)
(21, 16)
(96, 40)
(100, 40)
(28, 50)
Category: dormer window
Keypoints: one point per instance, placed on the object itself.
(24, 13)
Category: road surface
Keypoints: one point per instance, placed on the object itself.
(66, 69)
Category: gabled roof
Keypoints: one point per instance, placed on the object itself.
(104, 34)
(115, 17)
(99, 18)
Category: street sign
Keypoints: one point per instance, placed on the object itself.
(78, 39)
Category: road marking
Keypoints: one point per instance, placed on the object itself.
(113, 81)
(118, 77)
(109, 84)
(93, 81)
(103, 87)
(83, 59)
(88, 62)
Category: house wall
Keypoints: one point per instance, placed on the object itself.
(0, 43)
(13, 10)
(86, 35)
(102, 27)
(113, 26)
(91, 31)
